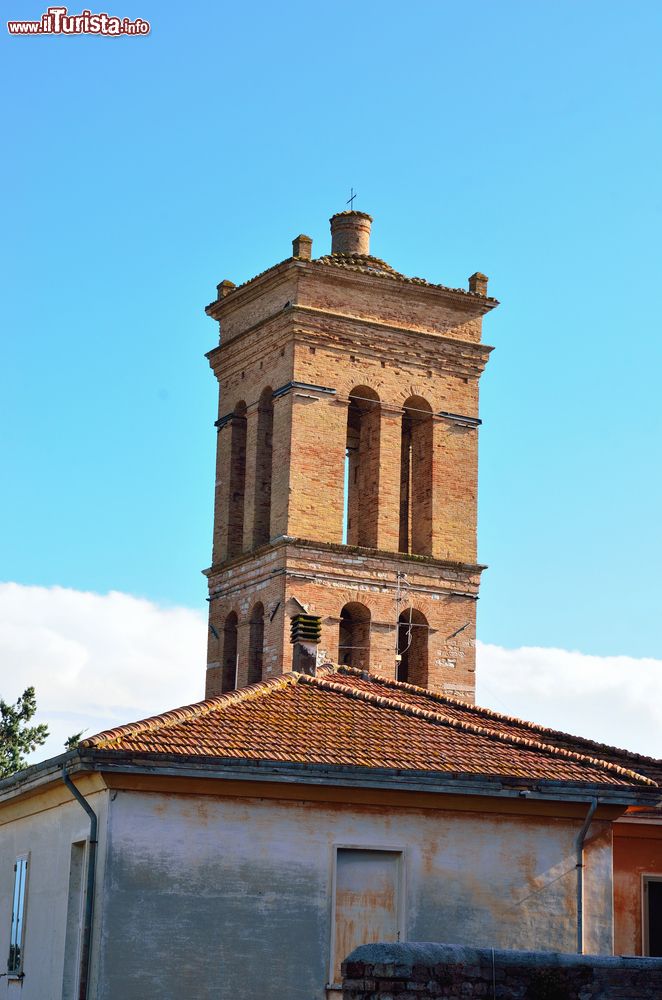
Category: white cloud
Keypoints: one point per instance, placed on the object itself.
(98, 660)
(612, 699)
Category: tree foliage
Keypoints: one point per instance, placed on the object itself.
(72, 741)
(17, 738)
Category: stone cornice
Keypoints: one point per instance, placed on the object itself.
(465, 569)
(252, 289)
(468, 302)
(302, 323)
(477, 348)
(277, 322)
(281, 779)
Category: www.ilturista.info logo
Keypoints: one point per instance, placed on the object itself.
(57, 21)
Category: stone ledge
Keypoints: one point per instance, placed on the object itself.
(345, 550)
(437, 970)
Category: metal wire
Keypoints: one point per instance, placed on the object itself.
(367, 621)
(409, 632)
(405, 409)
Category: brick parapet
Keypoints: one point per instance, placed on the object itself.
(368, 296)
(420, 971)
(391, 342)
(465, 357)
(446, 569)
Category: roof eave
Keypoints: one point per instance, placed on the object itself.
(235, 296)
(349, 775)
(30, 778)
(83, 761)
(440, 782)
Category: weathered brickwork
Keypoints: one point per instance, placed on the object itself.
(319, 360)
(421, 971)
(290, 576)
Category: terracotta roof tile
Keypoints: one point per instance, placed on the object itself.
(344, 717)
(366, 264)
(455, 708)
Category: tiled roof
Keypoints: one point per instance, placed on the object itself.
(367, 264)
(362, 262)
(344, 717)
(489, 719)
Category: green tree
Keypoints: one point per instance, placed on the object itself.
(72, 741)
(17, 738)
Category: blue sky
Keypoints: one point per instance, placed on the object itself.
(520, 139)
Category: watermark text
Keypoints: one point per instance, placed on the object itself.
(58, 21)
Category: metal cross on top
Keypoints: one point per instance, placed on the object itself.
(350, 200)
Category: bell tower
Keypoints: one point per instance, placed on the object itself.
(346, 470)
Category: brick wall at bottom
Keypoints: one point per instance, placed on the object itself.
(422, 971)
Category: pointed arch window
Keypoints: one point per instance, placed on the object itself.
(237, 481)
(416, 477)
(362, 468)
(229, 678)
(413, 633)
(263, 468)
(354, 636)
(256, 644)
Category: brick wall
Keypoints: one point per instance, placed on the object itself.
(422, 971)
(394, 355)
(290, 574)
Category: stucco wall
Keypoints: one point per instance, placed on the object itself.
(231, 897)
(47, 836)
(637, 852)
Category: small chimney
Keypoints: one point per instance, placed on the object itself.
(350, 233)
(224, 288)
(478, 283)
(305, 636)
(302, 247)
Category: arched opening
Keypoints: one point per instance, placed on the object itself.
(416, 477)
(263, 461)
(237, 481)
(413, 632)
(229, 679)
(256, 644)
(354, 636)
(362, 468)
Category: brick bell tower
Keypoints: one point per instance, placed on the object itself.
(346, 469)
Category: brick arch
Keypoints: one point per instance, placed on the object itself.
(229, 661)
(420, 389)
(362, 467)
(416, 476)
(354, 635)
(263, 468)
(237, 480)
(413, 641)
(256, 643)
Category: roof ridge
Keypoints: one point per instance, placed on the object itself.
(439, 719)
(341, 256)
(490, 712)
(328, 667)
(193, 711)
(335, 260)
(328, 260)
